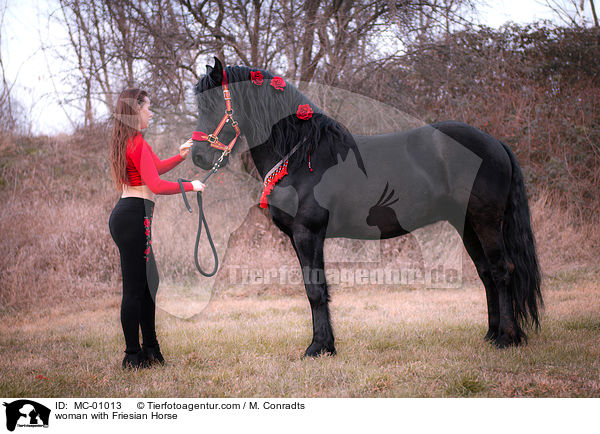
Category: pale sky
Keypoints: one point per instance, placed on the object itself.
(497, 13)
(26, 25)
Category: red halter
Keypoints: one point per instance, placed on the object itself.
(213, 139)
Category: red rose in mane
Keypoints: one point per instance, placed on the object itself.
(304, 112)
(278, 83)
(256, 77)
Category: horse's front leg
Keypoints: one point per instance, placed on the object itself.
(309, 248)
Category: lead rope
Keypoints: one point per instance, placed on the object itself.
(202, 220)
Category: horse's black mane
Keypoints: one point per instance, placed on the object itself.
(271, 115)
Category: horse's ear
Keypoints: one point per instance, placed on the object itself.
(216, 72)
(208, 69)
(218, 64)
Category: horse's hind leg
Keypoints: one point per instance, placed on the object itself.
(492, 243)
(475, 251)
(309, 248)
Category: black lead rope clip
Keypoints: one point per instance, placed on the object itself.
(202, 221)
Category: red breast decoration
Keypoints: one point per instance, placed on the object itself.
(271, 181)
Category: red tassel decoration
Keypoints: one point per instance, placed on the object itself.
(309, 166)
(271, 181)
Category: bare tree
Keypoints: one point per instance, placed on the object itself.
(573, 12)
(594, 15)
(12, 114)
(7, 119)
(104, 41)
(83, 48)
(159, 42)
(303, 37)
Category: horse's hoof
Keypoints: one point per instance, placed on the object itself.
(491, 335)
(315, 350)
(508, 338)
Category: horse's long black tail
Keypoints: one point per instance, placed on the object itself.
(518, 236)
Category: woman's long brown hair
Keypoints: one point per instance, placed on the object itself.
(125, 126)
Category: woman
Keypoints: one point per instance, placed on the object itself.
(136, 169)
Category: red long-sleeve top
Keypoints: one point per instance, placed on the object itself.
(144, 167)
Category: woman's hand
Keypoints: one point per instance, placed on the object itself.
(184, 149)
(198, 186)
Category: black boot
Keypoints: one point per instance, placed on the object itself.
(153, 354)
(137, 360)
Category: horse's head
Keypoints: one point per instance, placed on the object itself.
(270, 112)
(211, 110)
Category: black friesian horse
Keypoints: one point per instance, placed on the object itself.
(376, 187)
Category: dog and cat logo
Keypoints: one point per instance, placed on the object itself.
(26, 413)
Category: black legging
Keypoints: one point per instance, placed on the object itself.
(130, 228)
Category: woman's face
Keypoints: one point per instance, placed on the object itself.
(145, 114)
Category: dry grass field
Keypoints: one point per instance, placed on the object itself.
(60, 331)
(405, 343)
